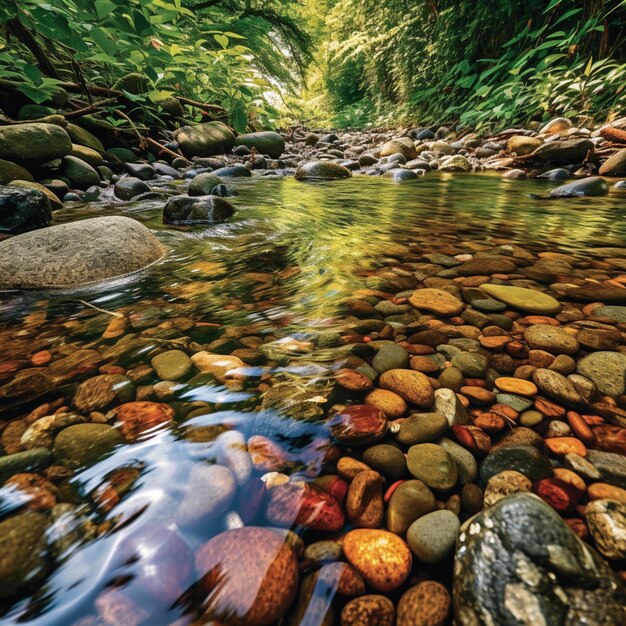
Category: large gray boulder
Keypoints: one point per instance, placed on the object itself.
(205, 140)
(78, 253)
(33, 143)
(518, 564)
(266, 142)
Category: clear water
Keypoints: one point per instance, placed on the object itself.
(284, 264)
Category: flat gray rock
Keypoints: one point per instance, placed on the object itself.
(78, 253)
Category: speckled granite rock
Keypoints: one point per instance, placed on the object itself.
(518, 564)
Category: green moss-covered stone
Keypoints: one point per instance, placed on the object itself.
(83, 443)
(22, 556)
(266, 142)
(205, 140)
(33, 143)
(322, 170)
(12, 171)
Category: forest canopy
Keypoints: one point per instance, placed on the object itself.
(336, 63)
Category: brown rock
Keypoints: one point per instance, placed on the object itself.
(426, 604)
(364, 504)
(368, 610)
(414, 387)
(436, 301)
(382, 558)
(247, 587)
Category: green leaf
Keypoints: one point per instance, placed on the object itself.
(36, 95)
(33, 74)
(104, 8)
(222, 40)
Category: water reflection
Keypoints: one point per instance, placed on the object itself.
(280, 271)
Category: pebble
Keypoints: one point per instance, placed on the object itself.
(171, 365)
(553, 339)
(426, 604)
(422, 428)
(255, 587)
(606, 370)
(432, 536)
(136, 418)
(390, 356)
(368, 610)
(382, 558)
(386, 459)
(390, 403)
(358, 424)
(527, 300)
(413, 387)
(436, 301)
(81, 444)
(431, 464)
(409, 501)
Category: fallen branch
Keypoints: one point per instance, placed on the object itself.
(95, 308)
(86, 110)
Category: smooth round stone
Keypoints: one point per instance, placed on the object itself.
(83, 443)
(203, 184)
(322, 170)
(517, 386)
(607, 523)
(303, 504)
(128, 187)
(422, 428)
(22, 551)
(592, 186)
(171, 365)
(408, 502)
(471, 499)
(527, 300)
(524, 459)
(390, 356)
(486, 266)
(390, 403)
(208, 492)
(136, 418)
(557, 387)
(219, 365)
(98, 392)
(426, 604)
(607, 370)
(413, 387)
(432, 536)
(448, 404)
(452, 378)
(431, 464)
(247, 587)
(41, 433)
(436, 301)
(471, 364)
(358, 424)
(552, 339)
(382, 558)
(323, 552)
(387, 460)
(364, 501)
(368, 610)
(530, 418)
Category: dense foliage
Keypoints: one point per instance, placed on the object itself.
(222, 53)
(476, 62)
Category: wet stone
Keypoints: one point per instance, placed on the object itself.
(522, 458)
(431, 464)
(409, 501)
(501, 577)
(359, 424)
(171, 365)
(432, 536)
(607, 522)
(83, 443)
(426, 604)
(422, 428)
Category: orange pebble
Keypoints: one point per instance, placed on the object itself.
(571, 478)
(566, 445)
(604, 491)
(580, 428)
(43, 357)
(517, 386)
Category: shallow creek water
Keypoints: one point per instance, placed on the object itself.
(283, 265)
